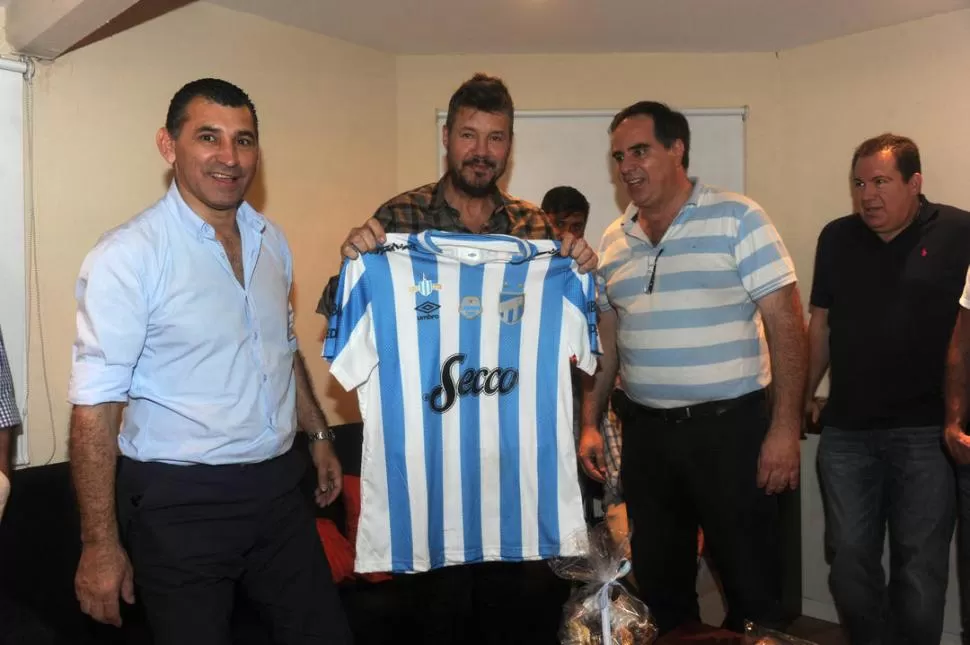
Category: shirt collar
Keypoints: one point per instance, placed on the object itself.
(695, 193)
(432, 241)
(246, 215)
(630, 225)
(924, 211)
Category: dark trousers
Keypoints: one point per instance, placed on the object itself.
(492, 603)
(900, 479)
(198, 534)
(701, 472)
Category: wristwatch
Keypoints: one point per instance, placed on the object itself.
(321, 435)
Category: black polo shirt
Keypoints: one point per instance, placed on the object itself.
(892, 306)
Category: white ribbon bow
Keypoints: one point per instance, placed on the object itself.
(604, 600)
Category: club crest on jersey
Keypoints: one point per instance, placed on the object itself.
(470, 307)
(425, 287)
(470, 382)
(511, 305)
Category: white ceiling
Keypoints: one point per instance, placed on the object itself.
(587, 26)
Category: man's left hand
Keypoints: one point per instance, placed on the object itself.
(577, 249)
(329, 473)
(779, 465)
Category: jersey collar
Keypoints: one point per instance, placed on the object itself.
(432, 241)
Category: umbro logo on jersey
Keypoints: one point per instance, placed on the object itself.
(472, 381)
(428, 309)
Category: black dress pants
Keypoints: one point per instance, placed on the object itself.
(196, 534)
(701, 471)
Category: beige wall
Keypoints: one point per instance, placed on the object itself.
(4, 46)
(425, 84)
(809, 108)
(328, 140)
(357, 125)
(609, 81)
(913, 79)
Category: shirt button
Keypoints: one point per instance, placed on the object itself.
(265, 378)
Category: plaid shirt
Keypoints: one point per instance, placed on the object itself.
(425, 208)
(9, 414)
(612, 448)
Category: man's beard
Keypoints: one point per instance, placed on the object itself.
(474, 190)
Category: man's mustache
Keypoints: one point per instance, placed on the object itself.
(485, 161)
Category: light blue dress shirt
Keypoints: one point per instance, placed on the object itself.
(204, 363)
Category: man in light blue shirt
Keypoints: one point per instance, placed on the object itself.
(184, 316)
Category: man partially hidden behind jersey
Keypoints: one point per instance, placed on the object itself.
(459, 346)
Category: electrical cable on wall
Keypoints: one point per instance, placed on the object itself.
(35, 272)
(33, 280)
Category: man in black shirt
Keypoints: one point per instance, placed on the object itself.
(884, 301)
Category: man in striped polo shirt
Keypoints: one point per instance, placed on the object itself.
(699, 313)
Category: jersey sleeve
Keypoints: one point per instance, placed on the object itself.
(579, 319)
(350, 346)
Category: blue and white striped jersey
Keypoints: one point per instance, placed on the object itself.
(459, 347)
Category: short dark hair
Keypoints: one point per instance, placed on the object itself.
(563, 200)
(484, 93)
(211, 89)
(904, 150)
(668, 125)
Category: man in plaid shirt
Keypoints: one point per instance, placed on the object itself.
(510, 598)
(478, 139)
(9, 422)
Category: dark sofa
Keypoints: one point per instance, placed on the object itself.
(40, 547)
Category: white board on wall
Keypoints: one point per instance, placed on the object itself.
(13, 262)
(572, 147)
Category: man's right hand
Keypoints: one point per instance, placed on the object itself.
(958, 443)
(813, 410)
(813, 413)
(591, 453)
(103, 574)
(363, 239)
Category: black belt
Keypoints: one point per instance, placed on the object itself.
(701, 410)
